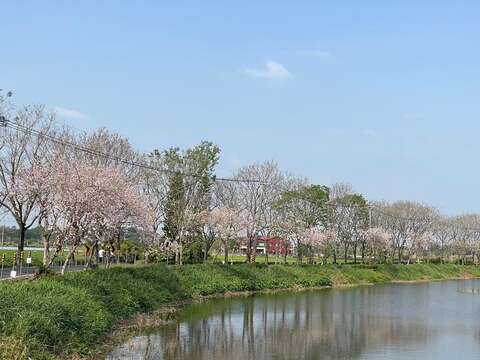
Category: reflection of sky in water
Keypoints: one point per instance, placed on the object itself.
(403, 321)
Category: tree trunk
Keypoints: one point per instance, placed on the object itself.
(442, 261)
(225, 249)
(21, 246)
(88, 263)
(299, 254)
(67, 260)
(205, 254)
(363, 253)
(249, 251)
(119, 241)
(276, 252)
(52, 258)
(93, 252)
(355, 253)
(46, 249)
(180, 254)
(254, 251)
(345, 250)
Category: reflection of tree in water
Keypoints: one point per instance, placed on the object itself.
(331, 325)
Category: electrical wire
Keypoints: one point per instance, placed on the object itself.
(18, 127)
(31, 131)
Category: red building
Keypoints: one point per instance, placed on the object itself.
(272, 245)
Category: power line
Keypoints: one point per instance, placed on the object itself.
(18, 127)
(4, 122)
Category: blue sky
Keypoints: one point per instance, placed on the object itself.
(381, 94)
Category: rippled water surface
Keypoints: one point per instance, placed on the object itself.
(438, 320)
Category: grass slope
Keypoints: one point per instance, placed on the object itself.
(55, 316)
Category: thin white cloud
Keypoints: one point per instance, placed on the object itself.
(69, 113)
(272, 70)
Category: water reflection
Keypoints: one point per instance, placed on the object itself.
(391, 321)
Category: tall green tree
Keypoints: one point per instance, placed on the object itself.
(302, 209)
(191, 178)
(349, 218)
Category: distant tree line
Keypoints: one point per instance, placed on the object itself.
(95, 189)
(10, 235)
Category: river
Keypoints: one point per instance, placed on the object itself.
(435, 320)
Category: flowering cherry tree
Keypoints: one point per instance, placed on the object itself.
(419, 245)
(20, 150)
(313, 240)
(83, 203)
(377, 243)
(254, 200)
(328, 245)
(224, 223)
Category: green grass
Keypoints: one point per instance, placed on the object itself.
(54, 316)
(7, 258)
(217, 279)
(259, 259)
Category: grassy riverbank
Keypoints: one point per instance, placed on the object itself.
(54, 317)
